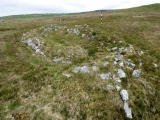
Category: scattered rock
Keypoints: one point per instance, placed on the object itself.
(58, 59)
(84, 69)
(108, 49)
(155, 65)
(110, 87)
(66, 62)
(117, 80)
(141, 53)
(94, 68)
(48, 29)
(105, 76)
(118, 87)
(127, 110)
(121, 49)
(132, 65)
(115, 48)
(121, 73)
(118, 58)
(77, 69)
(124, 95)
(105, 64)
(83, 35)
(136, 73)
(115, 63)
(121, 64)
(67, 75)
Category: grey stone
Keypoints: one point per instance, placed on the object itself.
(58, 59)
(110, 87)
(124, 95)
(136, 73)
(118, 87)
(127, 110)
(83, 35)
(94, 68)
(121, 73)
(121, 49)
(115, 48)
(66, 62)
(119, 57)
(105, 76)
(155, 65)
(77, 69)
(105, 64)
(76, 31)
(141, 53)
(67, 75)
(121, 64)
(84, 69)
(132, 65)
(117, 80)
(48, 29)
(115, 63)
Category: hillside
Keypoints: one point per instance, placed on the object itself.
(146, 8)
(59, 67)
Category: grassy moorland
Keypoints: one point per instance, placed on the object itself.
(33, 86)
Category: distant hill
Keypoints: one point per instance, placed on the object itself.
(145, 8)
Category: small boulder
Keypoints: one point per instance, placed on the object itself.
(58, 59)
(124, 95)
(121, 73)
(136, 73)
(105, 64)
(127, 110)
(105, 76)
(84, 69)
(67, 75)
(77, 69)
(115, 48)
(118, 87)
(118, 57)
(94, 68)
(83, 35)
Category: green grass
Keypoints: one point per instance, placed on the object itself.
(33, 84)
(145, 8)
